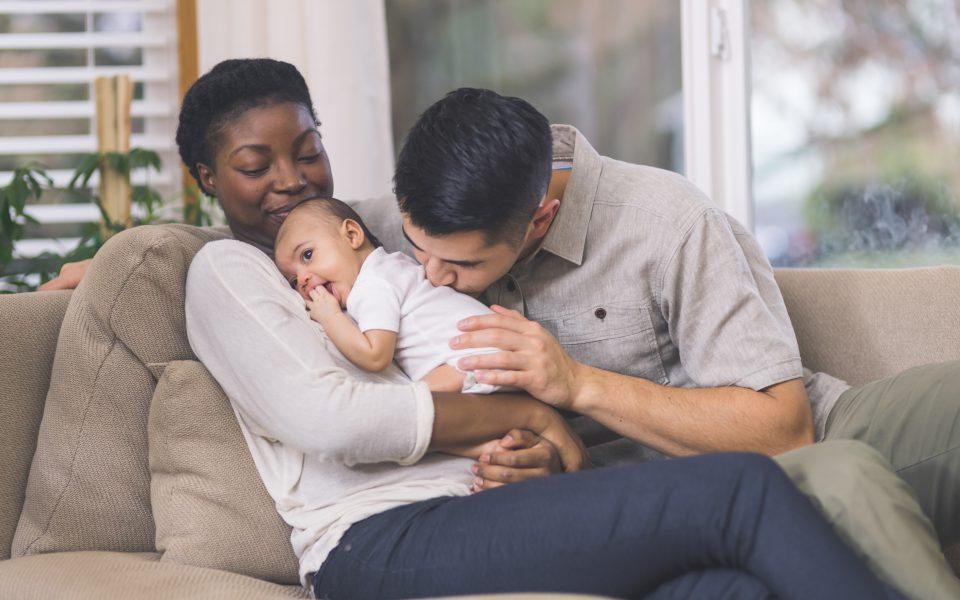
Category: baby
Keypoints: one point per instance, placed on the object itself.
(392, 312)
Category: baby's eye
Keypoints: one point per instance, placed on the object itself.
(306, 255)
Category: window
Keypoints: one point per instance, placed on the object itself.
(609, 67)
(856, 131)
(50, 53)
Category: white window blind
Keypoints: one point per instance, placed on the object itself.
(51, 51)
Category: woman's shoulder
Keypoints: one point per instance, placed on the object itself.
(227, 252)
(230, 264)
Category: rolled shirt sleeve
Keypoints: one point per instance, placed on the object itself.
(725, 313)
(285, 377)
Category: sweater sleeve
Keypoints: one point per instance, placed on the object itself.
(285, 377)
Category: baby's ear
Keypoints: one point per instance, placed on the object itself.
(353, 232)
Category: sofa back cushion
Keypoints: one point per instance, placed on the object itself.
(29, 324)
(210, 506)
(865, 324)
(89, 482)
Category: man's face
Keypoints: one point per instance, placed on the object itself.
(463, 260)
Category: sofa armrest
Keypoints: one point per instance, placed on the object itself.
(29, 327)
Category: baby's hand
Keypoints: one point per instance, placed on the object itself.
(322, 303)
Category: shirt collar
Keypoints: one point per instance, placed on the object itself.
(567, 235)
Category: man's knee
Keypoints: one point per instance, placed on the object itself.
(836, 474)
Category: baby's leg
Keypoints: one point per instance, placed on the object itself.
(445, 378)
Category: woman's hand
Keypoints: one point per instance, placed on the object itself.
(530, 358)
(518, 456)
(69, 278)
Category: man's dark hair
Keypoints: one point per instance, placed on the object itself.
(226, 91)
(475, 161)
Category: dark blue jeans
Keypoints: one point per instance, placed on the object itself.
(716, 526)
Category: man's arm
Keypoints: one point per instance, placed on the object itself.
(683, 421)
(725, 315)
(675, 421)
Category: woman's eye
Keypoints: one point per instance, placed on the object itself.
(310, 158)
(253, 172)
(293, 282)
(306, 255)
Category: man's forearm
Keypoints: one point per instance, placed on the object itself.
(683, 421)
(469, 419)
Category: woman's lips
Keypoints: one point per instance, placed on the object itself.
(279, 216)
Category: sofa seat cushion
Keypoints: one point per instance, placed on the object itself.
(122, 575)
(210, 506)
(89, 483)
(142, 575)
(30, 324)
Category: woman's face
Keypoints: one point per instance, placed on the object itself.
(267, 160)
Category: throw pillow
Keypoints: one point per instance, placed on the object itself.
(210, 506)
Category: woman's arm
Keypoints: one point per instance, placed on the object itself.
(470, 420)
(69, 278)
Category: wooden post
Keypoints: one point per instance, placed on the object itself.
(189, 68)
(114, 95)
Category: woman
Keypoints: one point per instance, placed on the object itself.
(373, 473)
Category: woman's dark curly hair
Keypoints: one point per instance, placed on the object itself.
(226, 91)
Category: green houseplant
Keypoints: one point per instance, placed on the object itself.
(28, 184)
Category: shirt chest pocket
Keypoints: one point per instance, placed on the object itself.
(613, 337)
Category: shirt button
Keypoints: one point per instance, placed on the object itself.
(511, 286)
(600, 313)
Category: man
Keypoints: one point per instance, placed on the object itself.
(630, 299)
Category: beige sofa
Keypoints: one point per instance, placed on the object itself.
(124, 473)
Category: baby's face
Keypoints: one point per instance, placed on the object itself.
(314, 253)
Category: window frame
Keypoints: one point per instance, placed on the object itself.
(716, 103)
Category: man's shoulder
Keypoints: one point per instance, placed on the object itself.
(655, 197)
(647, 187)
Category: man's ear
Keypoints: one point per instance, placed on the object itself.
(207, 177)
(543, 218)
(353, 233)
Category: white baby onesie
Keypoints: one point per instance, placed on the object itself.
(391, 293)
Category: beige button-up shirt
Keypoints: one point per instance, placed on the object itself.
(641, 274)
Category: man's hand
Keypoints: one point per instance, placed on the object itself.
(518, 456)
(69, 277)
(530, 358)
(322, 303)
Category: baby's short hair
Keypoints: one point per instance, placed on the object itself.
(328, 208)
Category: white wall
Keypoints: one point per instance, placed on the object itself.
(340, 46)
